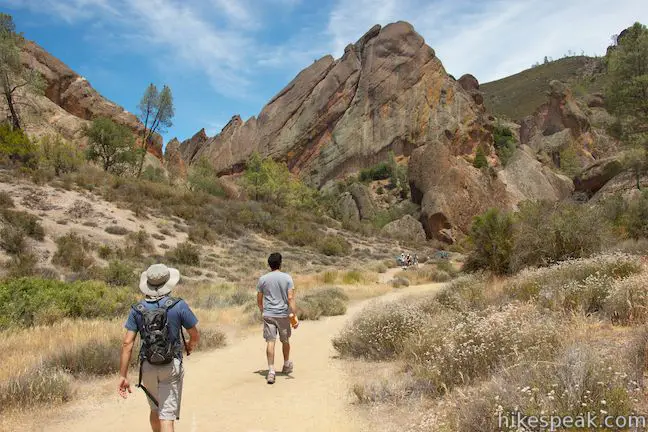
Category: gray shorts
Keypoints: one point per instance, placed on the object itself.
(274, 325)
(164, 382)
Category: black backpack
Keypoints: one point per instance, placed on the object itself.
(157, 345)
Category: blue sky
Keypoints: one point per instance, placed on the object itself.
(226, 57)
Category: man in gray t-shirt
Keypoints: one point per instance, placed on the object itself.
(276, 301)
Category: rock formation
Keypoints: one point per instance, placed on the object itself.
(406, 228)
(563, 124)
(69, 101)
(387, 92)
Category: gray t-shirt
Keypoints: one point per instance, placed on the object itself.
(274, 286)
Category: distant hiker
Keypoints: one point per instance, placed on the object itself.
(159, 319)
(276, 301)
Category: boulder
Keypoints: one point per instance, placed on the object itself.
(527, 179)
(595, 176)
(406, 228)
(363, 200)
(623, 184)
(348, 208)
(468, 82)
(595, 100)
(450, 190)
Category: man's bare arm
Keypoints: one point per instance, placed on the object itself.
(291, 301)
(126, 352)
(260, 301)
(194, 338)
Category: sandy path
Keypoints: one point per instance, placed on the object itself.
(225, 390)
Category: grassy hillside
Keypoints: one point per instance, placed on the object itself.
(519, 95)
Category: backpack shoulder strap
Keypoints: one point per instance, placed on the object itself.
(139, 307)
(170, 302)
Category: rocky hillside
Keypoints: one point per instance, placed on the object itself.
(519, 95)
(68, 102)
(387, 93)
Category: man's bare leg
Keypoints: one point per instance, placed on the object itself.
(286, 351)
(155, 421)
(167, 425)
(270, 352)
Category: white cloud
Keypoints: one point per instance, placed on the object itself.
(496, 38)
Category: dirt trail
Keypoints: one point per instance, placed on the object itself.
(225, 390)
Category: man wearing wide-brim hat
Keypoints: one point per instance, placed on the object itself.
(162, 383)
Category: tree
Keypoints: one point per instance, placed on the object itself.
(13, 75)
(627, 91)
(156, 113)
(491, 235)
(112, 145)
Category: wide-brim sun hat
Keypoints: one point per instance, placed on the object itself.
(158, 280)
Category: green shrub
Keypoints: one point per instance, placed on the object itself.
(16, 146)
(635, 219)
(328, 301)
(202, 234)
(105, 252)
(31, 301)
(119, 273)
(59, 155)
(138, 243)
(12, 241)
(36, 386)
(152, 174)
(333, 245)
(546, 233)
(116, 230)
(22, 264)
(300, 237)
(381, 171)
(185, 253)
(73, 252)
(480, 160)
(23, 221)
(491, 236)
(203, 178)
(505, 143)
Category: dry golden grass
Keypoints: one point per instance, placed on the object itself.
(27, 348)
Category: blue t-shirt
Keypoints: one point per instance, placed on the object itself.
(178, 316)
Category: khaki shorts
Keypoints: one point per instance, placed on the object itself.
(274, 325)
(164, 382)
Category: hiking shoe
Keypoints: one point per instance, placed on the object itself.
(271, 377)
(287, 369)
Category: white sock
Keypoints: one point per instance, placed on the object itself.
(271, 368)
(287, 363)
